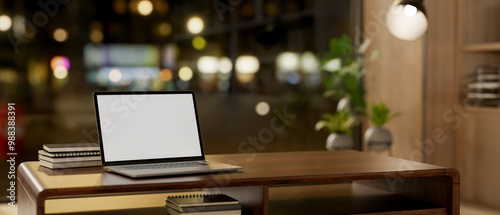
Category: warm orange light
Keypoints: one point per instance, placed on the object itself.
(145, 7)
(59, 61)
(120, 7)
(166, 75)
(161, 6)
(96, 36)
(60, 35)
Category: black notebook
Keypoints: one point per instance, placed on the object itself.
(202, 203)
(197, 209)
(171, 211)
(202, 200)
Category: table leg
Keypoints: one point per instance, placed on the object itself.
(25, 204)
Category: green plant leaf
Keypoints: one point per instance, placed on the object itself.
(375, 55)
(380, 114)
(340, 122)
(340, 47)
(320, 124)
(329, 81)
(350, 82)
(329, 93)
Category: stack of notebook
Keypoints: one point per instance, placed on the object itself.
(208, 204)
(71, 155)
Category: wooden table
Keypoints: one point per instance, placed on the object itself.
(321, 182)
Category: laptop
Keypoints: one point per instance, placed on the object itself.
(148, 134)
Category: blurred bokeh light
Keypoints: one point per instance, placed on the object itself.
(60, 35)
(60, 72)
(5, 22)
(185, 73)
(145, 7)
(60, 61)
(195, 25)
(199, 43)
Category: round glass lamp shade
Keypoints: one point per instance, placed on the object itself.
(406, 21)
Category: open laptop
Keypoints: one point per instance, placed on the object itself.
(146, 134)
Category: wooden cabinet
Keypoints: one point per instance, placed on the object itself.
(478, 40)
(477, 138)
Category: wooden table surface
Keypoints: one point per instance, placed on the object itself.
(261, 169)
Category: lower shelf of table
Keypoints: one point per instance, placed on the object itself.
(151, 211)
(342, 198)
(346, 198)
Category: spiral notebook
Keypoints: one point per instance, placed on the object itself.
(202, 200)
(203, 204)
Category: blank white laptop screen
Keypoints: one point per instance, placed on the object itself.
(154, 126)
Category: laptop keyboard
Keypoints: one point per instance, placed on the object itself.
(166, 165)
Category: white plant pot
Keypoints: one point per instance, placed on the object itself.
(378, 139)
(338, 142)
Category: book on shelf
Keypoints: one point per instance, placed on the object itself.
(68, 159)
(71, 147)
(201, 200)
(483, 96)
(69, 154)
(195, 209)
(484, 85)
(203, 204)
(64, 165)
(229, 212)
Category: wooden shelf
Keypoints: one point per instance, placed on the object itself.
(342, 198)
(153, 210)
(481, 47)
(483, 109)
(493, 110)
(346, 198)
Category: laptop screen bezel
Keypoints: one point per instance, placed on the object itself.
(144, 161)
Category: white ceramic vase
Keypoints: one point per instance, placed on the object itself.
(337, 141)
(378, 139)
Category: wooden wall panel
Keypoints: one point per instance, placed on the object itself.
(396, 79)
(478, 145)
(468, 139)
(477, 138)
(441, 77)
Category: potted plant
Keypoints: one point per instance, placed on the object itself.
(343, 77)
(343, 66)
(378, 138)
(340, 127)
